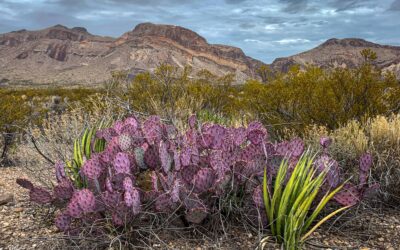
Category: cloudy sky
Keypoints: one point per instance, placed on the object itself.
(264, 29)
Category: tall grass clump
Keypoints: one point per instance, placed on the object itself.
(378, 135)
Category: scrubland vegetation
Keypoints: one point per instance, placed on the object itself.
(187, 151)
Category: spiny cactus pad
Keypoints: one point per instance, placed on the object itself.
(122, 163)
(40, 195)
(152, 166)
(92, 168)
(63, 221)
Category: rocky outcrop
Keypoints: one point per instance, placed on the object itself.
(62, 55)
(343, 53)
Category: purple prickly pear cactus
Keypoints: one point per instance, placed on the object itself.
(117, 219)
(258, 196)
(186, 154)
(139, 157)
(196, 215)
(108, 185)
(165, 158)
(152, 129)
(154, 167)
(125, 141)
(177, 160)
(175, 191)
(108, 134)
(348, 196)
(164, 203)
(60, 172)
(187, 173)
(151, 157)
(136, 204)
(122, 163)
(365, 162)
(240, 135)
(256, 136)
(92, 168)
(25, 183)
(204, 180)
(296, 147)
(131, 196)
(63, 190)
(40, 196)
(250, 152)
(133, 122)
(82, 201)
(325, 163)
(63, 221)
(218, 134)
(118, 125)
(325, 142)
(127, 184)
(86, 200)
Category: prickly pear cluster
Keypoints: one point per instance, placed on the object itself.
(350, 194)
(150, 165)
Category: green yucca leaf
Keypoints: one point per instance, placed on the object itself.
(288, 206)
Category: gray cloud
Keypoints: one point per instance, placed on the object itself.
(343, 5)
(234, 1)
(295, 6)
(263, 29)
(395, 6)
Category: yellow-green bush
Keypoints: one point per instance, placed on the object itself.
(317, 96)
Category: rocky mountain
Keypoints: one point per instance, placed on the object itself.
(60, 55)
(343, 53)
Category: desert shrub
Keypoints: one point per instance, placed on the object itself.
(379, 136)
(55, 135)
(151, 174)
(23, 108)
(323, 97)
(172, 94)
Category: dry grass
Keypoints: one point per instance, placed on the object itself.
(380, 136)
(55, 136)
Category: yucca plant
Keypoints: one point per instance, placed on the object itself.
(293, 207)
(84, 146)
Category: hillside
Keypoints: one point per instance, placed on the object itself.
(73, 56)
(343, 53)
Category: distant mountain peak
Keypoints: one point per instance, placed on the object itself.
(176, 33)
(59, 26)
(353, 42)
(343, 53)
(80, 29)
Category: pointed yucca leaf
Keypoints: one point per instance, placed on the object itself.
(323, 221)
(277, 195)
(267, 197)
(76, 150)
(320, 206)
(88, 143)
(285, 203)
(304, 193)
(83, 142)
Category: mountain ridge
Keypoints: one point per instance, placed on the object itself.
(59, 54)
(344, 52)
(73, 55)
